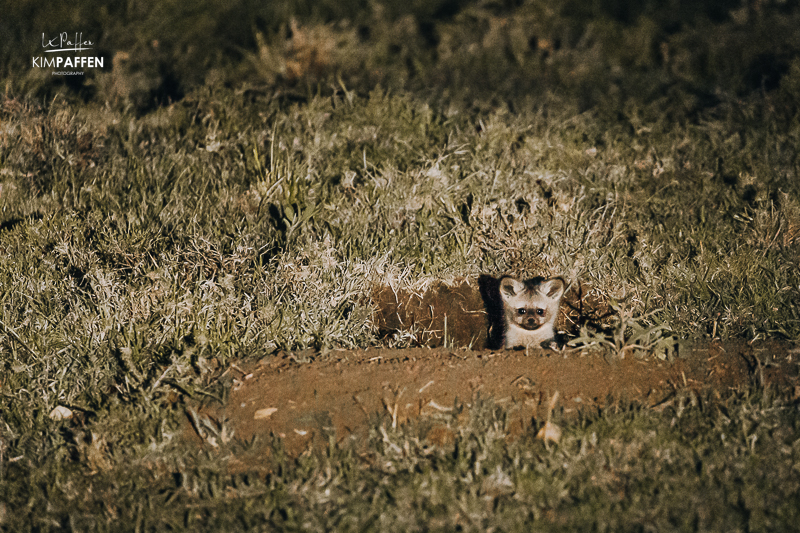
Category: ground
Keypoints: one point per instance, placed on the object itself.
(306, 399)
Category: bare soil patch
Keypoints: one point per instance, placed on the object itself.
(306, 398)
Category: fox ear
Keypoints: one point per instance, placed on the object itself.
(510, 287)
(553, 288)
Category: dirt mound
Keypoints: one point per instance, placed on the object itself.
(308, 400)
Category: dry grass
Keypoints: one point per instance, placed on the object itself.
(157, 226)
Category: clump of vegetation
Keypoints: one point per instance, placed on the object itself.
(182, 210)
(702, 463)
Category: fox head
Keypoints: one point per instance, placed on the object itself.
(533, 303)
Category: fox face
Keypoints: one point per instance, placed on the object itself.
(531, 309)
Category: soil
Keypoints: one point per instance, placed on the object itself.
(307, 401)
(308, 398)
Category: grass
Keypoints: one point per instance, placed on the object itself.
(154, 231)
(705, 464)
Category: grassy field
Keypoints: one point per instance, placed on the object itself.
(186, 210)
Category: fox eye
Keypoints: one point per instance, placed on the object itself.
(521, 311)
(540, 312)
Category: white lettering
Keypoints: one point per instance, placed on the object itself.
(67, 62)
